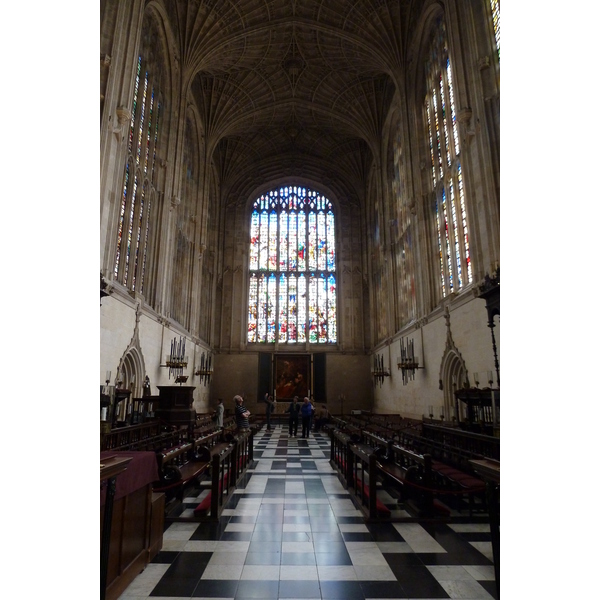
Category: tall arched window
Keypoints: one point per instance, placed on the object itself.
(293, 292)
(495, 6)
(134, 217)
(446, 172)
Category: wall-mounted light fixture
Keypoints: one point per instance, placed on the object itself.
(176, 361)
(407, 361)
(205, 371)
(379, 372)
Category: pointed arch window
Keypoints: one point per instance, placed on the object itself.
(446, 172)
(136, 200)
(495, 6)
(292, 294)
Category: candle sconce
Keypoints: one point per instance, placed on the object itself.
(407, 361)
(176, 361)
(379, 371)
(205, 371)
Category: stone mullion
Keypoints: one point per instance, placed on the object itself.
(199, 243)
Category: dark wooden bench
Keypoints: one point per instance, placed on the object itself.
(355, 463)
(228, 463)
(184, 464)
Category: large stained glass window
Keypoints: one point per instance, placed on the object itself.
(134, 216)
(293, 290)
(446, 174)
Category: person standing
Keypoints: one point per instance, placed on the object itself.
(306, 410)
(321, 417)
(269, 409)
(218, 414)
(293, 409)
(241, 414)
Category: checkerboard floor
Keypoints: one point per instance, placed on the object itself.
(290, 530)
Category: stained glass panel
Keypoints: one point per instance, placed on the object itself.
(252, 309)
(302, 298)
(283, 241)
(322, 308)
(321, 242)
(330, 242)
(292, 309)
(456, 240)
(273, 241)
(331, 308)
(271, 307)
(428, 111)
(283, 301)
(463, 215)
(262, 309)
(264, 240)
(293, 241)
(495, 5)
(452, 111)
(313, 323)
(302, 242)
(254, 240)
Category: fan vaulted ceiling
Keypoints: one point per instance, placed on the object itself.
(291, 88)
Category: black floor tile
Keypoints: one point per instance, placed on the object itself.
(346, 590)
(403, 559)
(356, 536)
(165, 557)
(490, 588)
(187, 563)
(236, 536)
(257, 589)
(329, 546)
(350, 520)
(423, 587)
(176, 586)
(384, 532)
(209, 531)
(215, 588)
(330, 559)
(382, 589)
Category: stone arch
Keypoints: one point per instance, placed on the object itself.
(132, 367)
(453, 374)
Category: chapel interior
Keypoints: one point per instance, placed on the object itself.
(301, 198)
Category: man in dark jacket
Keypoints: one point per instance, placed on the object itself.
(293, 409)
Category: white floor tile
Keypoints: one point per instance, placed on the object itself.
(336, 573)
(465, 589)
(222, 572)
(374, 573)
(261, 572)
(294, 572)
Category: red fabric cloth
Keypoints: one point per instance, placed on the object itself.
(142, 470)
